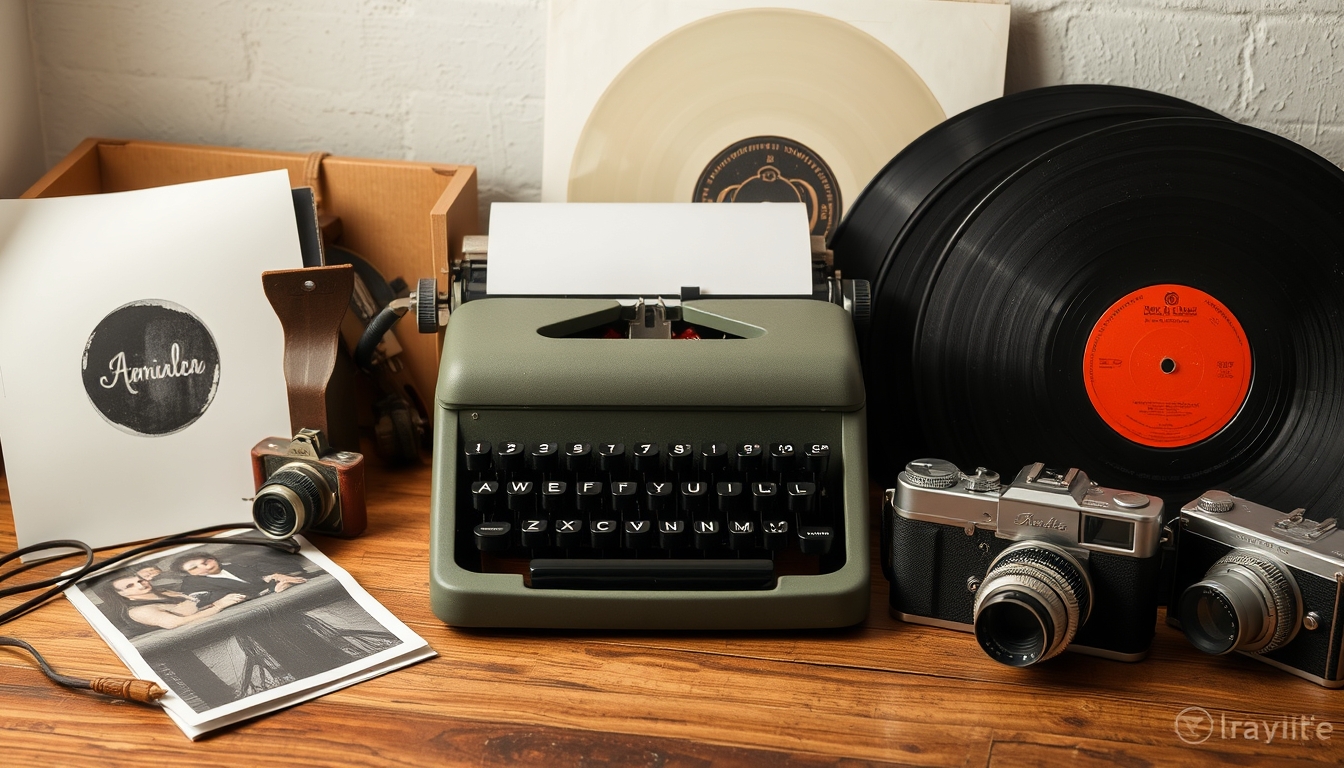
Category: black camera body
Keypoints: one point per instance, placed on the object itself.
(1052, 561)
(1262, 583)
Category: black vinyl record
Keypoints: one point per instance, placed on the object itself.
(1109, 279)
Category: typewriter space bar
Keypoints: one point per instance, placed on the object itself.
(652, 574)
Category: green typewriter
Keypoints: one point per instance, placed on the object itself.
(692, 462)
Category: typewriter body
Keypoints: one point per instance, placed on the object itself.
(692, 464)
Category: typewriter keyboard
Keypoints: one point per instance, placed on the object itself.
(577, 515)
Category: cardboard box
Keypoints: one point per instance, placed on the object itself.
(407, 219)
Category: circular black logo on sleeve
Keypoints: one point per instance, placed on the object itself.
(777, 170)
(151, 367)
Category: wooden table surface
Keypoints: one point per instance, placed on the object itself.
(882, 693)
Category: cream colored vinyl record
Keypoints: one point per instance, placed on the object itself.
(759, 104)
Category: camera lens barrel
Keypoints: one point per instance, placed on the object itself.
(1246, 602)
(1031, 603)
(293, 498)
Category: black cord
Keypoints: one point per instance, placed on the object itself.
(131, 689)
(66, 680)
(373, 335)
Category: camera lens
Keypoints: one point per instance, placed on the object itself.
(1031, 603)
(1209, 619)
(293, 498)
(1246, 602)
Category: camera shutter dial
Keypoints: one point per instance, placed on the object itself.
(983, 481)
(932, 473)
(1216, 502)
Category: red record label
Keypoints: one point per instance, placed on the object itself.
(1167, 366)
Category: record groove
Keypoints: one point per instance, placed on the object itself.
(996, 246)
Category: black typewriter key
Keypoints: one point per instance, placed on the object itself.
(646, 457)
(588, 495)
(673, 534)
(605, 534)
(542, 457)
(729, 497)
(679, 457)
(782, 457)
(708, 534)
(747, 457)
(569, 533)
(775, 533)
(624, 497)
(611, 457)
(492, 537)
(713, 457)
(816, 457)
(693, 496)
(815, 539)
(509, 457)
(741, 534)
(483, 495)
(640, 534)
(764, 497)
(534, 533)
(802, 496)
(477, 456)
(553, 495)
(522, 496)
(578, 456)
(658, 496)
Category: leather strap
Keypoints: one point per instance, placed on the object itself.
(312, 176)
(310, 303)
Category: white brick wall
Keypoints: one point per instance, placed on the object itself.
(1274, 64)
(463, 80)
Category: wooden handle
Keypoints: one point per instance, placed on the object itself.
(130, 689)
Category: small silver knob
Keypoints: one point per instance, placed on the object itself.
(1216, 502)
(1130, 500)
(983, 481)
(932, 473)
(1311, 621)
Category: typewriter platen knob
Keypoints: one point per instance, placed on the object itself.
(1216, 502)
(932, 473)
(426, 306)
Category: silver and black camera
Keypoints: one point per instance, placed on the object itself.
(1261, 582)
(1052, 561)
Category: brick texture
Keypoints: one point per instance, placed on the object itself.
(464, 80)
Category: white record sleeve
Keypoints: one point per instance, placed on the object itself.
(139, 357)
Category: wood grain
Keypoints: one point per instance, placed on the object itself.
(884, 693)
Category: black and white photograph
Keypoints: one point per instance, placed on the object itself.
(230, 626)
